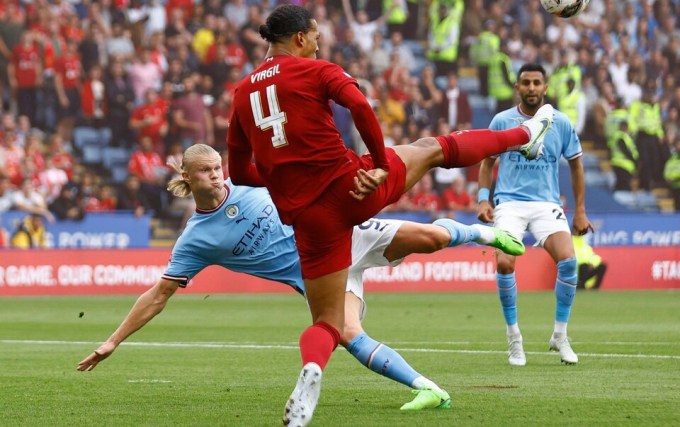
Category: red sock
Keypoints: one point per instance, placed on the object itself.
(317, 343)
(467, 148)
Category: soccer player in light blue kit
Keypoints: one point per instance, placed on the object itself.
(239, 228)
(527, 198)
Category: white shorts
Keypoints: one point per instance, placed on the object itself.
(369, 241)
(541, 219)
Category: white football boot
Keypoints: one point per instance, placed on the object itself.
(560, 342)
(302, 402)
(538, 127)
(516, 356)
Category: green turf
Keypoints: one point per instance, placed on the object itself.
(628, 343)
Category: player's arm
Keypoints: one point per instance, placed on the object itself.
(148, 305)
(581, 222)
(484, 208)
(347, 8)
(242, 170)
(367, 124)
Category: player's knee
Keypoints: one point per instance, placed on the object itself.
(436, 238)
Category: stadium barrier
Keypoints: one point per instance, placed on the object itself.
(469, 268)
(98, 230)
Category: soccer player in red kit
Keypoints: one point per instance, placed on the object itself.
(282, 115)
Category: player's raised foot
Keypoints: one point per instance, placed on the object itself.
(538, 127)
(516, 356)
(507, 242)
(428, 399)
(560, 342)
(302, 402)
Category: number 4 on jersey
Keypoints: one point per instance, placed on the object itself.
(276, 118)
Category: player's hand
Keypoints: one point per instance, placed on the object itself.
(485, 212)
(582, 224)
(366, 182)
(90, 362)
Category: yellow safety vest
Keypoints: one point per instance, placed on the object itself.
(557, 83)
(613, 122)
(584, 252)
(645, 117)
(398, 15)
(619, 159)
(498, 87)
(485, 47)
(568, 104)
(672, 170)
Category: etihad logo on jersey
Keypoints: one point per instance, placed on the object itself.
(252, 240)
(231, 211)
(265, 74)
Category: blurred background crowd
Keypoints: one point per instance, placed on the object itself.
(97, 95)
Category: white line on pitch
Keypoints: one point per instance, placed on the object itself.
(295, 347)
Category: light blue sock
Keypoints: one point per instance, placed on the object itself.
(507, 291)
(565, 288)
(460, 233)
(382, 359)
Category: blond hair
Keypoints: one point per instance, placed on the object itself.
(177, 185)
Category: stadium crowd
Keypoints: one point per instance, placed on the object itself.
(83, 79)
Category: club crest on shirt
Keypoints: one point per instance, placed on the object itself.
(232, 211)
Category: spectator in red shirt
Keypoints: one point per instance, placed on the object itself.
(425, 199)
(456, 198)
(67, 81)
(61, 158)
(148, 166)
(93, 127)
(150, 120)
(25, 75)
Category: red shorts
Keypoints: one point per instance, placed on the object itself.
(323, 231)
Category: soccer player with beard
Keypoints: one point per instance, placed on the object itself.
(282, 116)
(527, 198)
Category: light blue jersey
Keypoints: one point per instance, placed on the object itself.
(243, 234)
(536, 180)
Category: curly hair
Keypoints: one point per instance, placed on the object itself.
(285, 21)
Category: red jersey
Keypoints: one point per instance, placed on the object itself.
(148, 166)
(25, 60)
(282, 114)
(453, 200)
(427, 201)
(158, 112)
(69, 67)
(52, 50)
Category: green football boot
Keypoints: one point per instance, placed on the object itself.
(428, 399)
(506, 242)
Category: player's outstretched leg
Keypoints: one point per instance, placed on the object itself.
(482, 234)
(302, 402)
(538, 127)
(383, 360)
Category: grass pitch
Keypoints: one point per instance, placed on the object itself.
(232, 360)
